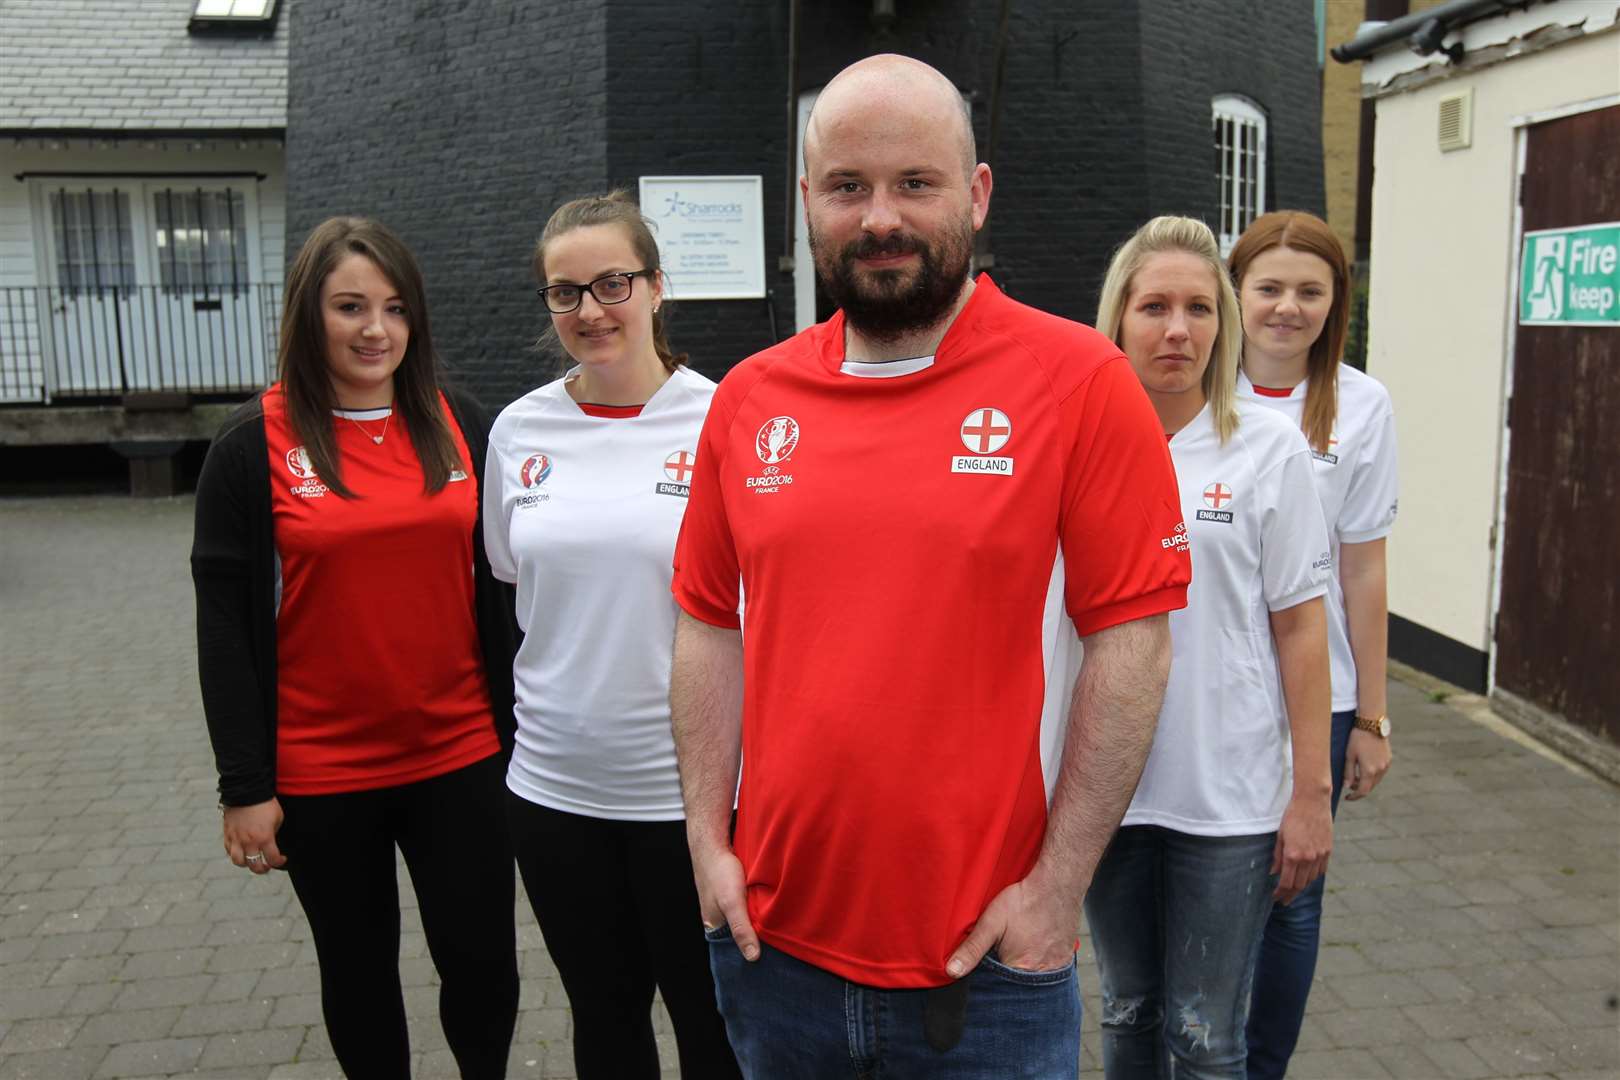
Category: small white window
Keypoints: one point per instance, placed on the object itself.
(1240, 165)
(255, 16)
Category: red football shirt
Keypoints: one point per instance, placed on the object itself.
(380, 680)
(906, 547)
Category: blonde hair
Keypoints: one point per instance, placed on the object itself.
(1308, 233)
(1189, 236)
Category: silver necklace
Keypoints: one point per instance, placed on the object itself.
(374, 438)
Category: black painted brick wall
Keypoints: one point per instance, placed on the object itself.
(463, 125)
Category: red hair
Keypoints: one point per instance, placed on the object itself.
(1308, 233)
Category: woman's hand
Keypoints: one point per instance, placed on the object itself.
(1366, 760)
(1304, 842)
(250, 836)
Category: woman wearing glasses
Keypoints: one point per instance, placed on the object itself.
(586, 482)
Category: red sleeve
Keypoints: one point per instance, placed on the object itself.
(1124, 543)
(706, 572)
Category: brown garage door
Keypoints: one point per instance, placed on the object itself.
(1558, 630)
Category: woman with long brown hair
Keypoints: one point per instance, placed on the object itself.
(1294, 287)
(355, 654)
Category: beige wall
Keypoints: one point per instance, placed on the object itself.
(1442, 252)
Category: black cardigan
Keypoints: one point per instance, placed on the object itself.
(233, 565)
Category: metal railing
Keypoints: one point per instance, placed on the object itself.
(60, 344)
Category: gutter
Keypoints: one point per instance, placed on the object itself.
(1424, 31)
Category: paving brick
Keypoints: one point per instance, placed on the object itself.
(151, 993)
(126, 1026)
(1513, 1055)
(233, 986)
(151, 1058)
(92, 998)
(90, 969)
(1583, 973)
(254, 958)
(74, 1063)
(297, 1010)
(161, 964)
(1368, 1028)
(293, 980)
(28, 973)
(34, 1003)
(227, 1017)
(274, 1047)
(28, 1036)
(1335, 1065)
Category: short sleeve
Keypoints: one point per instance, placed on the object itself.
(706, 583)
(497, 523)
(1370, 504)
(1124, 543)
(1295, 560)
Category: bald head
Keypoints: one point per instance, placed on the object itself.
(875, 97)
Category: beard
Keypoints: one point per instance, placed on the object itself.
(884, 305)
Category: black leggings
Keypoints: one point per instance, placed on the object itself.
(619, 913)
(340, 856)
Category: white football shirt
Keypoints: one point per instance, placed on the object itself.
(1357, 483)
(1221, 759)
(582, 514)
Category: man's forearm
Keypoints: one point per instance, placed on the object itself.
(1111, 723)
(705, 703)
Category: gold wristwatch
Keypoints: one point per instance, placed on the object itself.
(1378, 725)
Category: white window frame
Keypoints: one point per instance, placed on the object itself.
(1240, 164)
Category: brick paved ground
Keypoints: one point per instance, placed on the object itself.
(1473, 922)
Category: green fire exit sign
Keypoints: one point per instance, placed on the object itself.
(1571, 277)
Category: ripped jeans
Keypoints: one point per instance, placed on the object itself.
(1176, 922)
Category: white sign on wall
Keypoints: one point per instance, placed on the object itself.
(711, 234)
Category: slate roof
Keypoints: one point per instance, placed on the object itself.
(131, 65)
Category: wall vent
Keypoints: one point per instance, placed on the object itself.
(1457, 120)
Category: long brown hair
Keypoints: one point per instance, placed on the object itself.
(1181, 235)
(301, 355)
(1308, 233)
(614, 208)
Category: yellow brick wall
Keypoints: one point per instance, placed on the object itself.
(1341, 118)
(1341, 123)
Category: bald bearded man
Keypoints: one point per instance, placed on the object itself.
(929, 501)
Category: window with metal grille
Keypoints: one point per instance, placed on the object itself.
(1240, 164)
(95, 245)
(201, 240)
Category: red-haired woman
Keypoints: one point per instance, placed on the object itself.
(355, 654)
(1294, 287)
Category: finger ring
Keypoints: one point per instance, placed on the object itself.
(256, 857)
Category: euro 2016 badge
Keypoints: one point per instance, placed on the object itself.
(777, 439)
(535, 470)
(533, 473)
(984, 431)
(775, 442)
(309, 485)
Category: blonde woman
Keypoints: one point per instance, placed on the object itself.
(1233, 806)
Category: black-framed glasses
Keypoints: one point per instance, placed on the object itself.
(607, 289)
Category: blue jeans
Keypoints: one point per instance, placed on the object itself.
(789, 1020)
(1176, 922)
(1282, 979)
